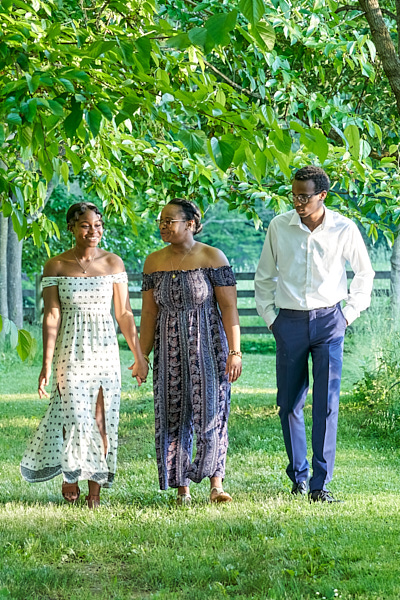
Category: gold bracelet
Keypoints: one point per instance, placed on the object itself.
(235, 353)
(146, 358)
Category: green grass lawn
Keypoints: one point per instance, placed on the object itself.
(264, 545)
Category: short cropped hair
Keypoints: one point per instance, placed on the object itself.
(317, 175)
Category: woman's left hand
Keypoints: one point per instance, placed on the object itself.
(233, 367)
(140, 370)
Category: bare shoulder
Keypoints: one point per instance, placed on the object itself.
(115, 264)
(214, 257)
(154, 261)
(54, 267)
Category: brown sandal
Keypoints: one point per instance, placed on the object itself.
(93, 501)
(217, 494)
(70, 492)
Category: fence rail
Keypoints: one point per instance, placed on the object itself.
(243, 295)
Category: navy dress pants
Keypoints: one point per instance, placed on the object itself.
(299, 334)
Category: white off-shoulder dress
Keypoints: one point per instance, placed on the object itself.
(86, 358)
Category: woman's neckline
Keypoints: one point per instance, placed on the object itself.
(82, 276)
(189, 270)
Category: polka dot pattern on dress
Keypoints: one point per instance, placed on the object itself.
(86, 359)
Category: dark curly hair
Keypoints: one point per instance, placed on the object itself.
(190, 211)
(78, 209)
(317, 175)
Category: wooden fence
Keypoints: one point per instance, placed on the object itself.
(246, 304)
(245, 296)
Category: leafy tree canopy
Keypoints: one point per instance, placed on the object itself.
(145, 100)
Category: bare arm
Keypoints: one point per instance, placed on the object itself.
(51, 325)
(148, 321)
(126, 322)
(227, 301)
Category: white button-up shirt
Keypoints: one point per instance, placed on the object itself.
(301, 269)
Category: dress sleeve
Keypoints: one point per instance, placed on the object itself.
(147, 282)
(222, 276)
(49, 281)
(120, 277)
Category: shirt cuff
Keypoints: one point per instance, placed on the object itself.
(349, 313)
(269, 317)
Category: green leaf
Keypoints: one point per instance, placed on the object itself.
(282, 160)
(33, 82)
(37, 137)
(352, 136)
(283, 143)
(294, 126)
(73, 120)
(105, 109)
(69, 86)
(1, 323)
(19, 223)
(45, 165)
(144, 48)
(180, 41)
(23, 61)
(252, 10)
(219, 26)
(36, 233)
(198, 36)
(24, 345)
(100, 47)
(194, 141)
(389, 238)
(74, 160)
(93, 118)
(316, 142)
(13, 118)
(25, 136)
(65, 172)
(56, 108)
(221, 152)
(372, 49)
(264, 35)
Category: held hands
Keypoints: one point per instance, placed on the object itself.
(139, 370)
(44, 379)
(233, 367)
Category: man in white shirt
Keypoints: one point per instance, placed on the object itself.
(299, 284)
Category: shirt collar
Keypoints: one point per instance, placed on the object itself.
(327, 222)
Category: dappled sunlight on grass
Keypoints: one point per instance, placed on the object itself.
(265, 544)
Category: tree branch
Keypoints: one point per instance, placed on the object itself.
(208, 12)
(347, 8)
(235, 86)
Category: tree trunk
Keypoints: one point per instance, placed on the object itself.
(14, 281)
(395, 279)
(384, 45)
(38, 298)
(3, 266)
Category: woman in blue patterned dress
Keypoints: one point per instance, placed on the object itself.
(190, 317)
(78, 435)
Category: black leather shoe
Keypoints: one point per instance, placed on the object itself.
(299, 489)
(322, 496)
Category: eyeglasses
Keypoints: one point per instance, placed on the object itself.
(168, 222)
(302, 198)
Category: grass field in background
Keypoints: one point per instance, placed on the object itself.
(264, 545)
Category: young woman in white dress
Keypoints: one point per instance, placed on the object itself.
(78, 436)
